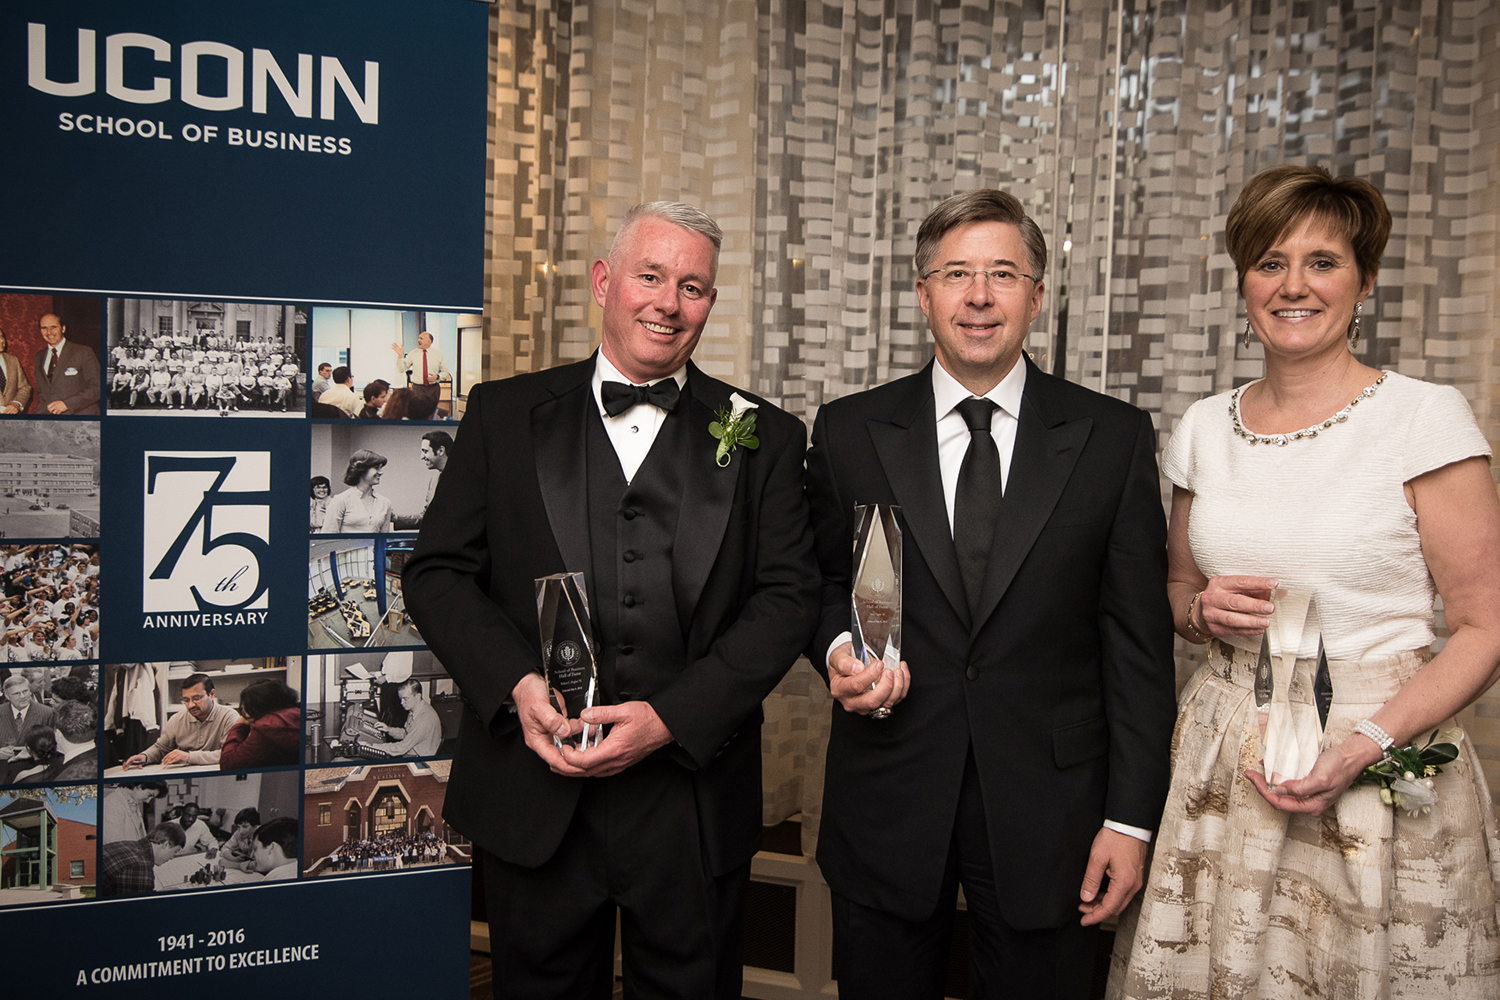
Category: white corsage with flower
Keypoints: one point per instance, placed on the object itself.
(734, 428)
(1405, 775)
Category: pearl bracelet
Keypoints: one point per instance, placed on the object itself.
(1379, 736)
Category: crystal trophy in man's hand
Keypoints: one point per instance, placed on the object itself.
(875, 622)
(568, 662)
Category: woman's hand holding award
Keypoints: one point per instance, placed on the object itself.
(1293, 703)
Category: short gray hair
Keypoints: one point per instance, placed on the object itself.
(678, 214)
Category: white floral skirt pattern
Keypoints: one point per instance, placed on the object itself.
(1244, 902)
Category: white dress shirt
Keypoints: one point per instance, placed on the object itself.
(633, 431)
(437, 365)
(953, 432)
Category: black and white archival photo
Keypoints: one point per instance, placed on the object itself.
(48, 724)
(49, 479)
(380, 706)
(192, 716)
(379, 818)
(171, 834)
(50, 608)
(354, 597)
(374, 477)
(206, 358)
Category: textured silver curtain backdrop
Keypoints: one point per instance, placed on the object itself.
(820, 133)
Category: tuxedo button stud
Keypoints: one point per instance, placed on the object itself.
(629, 601)
(626, 650)
(972, 673)
(628, 514)
(629, 557)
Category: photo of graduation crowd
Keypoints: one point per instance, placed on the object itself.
(376, 818)
(50, 607)
(191, 833)
(47, 724)
(203, 715)
(230, 358)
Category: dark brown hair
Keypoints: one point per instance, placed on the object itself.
(267, 695)
(984, 205)
(1278, 200)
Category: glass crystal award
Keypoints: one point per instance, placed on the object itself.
(1293, 717)
(568, 662)
(875, 619)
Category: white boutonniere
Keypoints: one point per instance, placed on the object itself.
(734, 428)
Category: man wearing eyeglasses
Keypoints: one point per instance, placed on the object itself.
(195, 736)
(1025, 753)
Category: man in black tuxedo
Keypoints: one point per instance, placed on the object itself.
(703, 586)
(1025, 755)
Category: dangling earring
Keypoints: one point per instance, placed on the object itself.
(1359, 307)
(1246, 341)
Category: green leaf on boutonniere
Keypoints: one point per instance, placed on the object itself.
(734, 428)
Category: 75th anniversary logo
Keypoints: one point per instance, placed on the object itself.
(206, 538)
(208, 550)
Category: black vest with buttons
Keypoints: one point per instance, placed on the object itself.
(631, 531)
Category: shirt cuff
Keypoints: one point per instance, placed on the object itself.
(838, 641)
(1129, 831)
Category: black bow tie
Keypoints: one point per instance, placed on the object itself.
(621, 396)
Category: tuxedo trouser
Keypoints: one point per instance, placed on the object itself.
(880, 956)
(633, 844)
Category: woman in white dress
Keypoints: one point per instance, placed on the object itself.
(358, 509)
(1369, 492)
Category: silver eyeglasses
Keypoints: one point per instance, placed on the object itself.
(962, 277)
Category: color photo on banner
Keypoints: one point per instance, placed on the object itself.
(374, 477)
(392, 365)
(232, 359)
(172, 834)
(379, 818)
(49, 355)
(49, 479)
(380, 705)
(48, 840)
(354, 595)
(48, 724)
(50, 610)
(202, 716)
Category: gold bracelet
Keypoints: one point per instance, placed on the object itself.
(1201, 637)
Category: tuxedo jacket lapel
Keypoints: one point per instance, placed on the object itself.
(906, 444)
(708, 490)
(1047, 448)
(560, 441)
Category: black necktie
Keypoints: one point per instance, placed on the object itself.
(621, 396)
(976, 502)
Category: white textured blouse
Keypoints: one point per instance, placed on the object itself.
(1327, 514)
